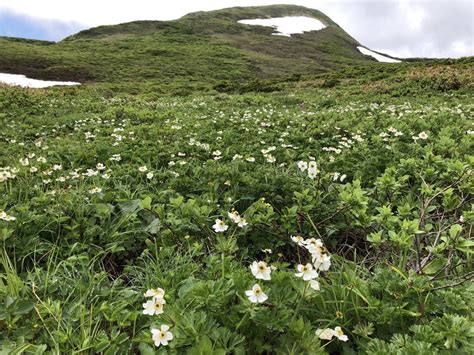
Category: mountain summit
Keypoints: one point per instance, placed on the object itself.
(199, 49)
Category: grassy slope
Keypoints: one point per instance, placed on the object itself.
(197, 50)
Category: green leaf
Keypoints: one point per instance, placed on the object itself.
(455, 230)
(22, 307)
(146, 349)
(434, 266)
(466, 246)
(146, 203)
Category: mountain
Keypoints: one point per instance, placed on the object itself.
(199, 50)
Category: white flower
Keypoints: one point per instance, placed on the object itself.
(5, 217)
(312, 173)
(161, 336)
(115, 157)
(256, 294)
(142, 169)
(149, 176)
(270, 158)
(234, 216)
(33, 169)
(314, 246)
(90, 173)
(307, 272)
(298, 239)
(154, 306)
(423, 135)
(325, 334)
(24, 162)
(100, 166)
(323, 262)
(242, 222)
(302, 165)
(314, 285)
(155, 292)
(95, 190)
(261, 270)
(313, 165)
(220, 226)
(340, 334)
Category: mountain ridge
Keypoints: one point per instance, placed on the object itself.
(199, 50)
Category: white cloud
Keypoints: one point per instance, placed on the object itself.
(100, 12)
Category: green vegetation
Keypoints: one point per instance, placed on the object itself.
(107, 195)
(195, 52)
(217, 190)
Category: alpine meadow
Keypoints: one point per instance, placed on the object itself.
(211, 186)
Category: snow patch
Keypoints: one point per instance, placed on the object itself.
(23, 81)
(379, 57)
(286, 26)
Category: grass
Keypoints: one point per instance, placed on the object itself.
(94, 232)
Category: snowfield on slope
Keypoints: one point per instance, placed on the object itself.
(23, 81)
(379, 57)
(286, 26)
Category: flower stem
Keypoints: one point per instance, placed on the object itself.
(299, 303)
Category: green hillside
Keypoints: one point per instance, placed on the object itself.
(197, 50)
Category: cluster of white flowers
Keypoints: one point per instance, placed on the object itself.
(115, 157)
(237, 218)
(154, 306)
(217, 154)
(337, 176)
(328, 334)
(5, 217)
(266, 154)
(395, 132)
(194, 142)
(320, 261)
(95, 190)
(8, 173)
(220, 226)
(261, 271)
(332, 149)
(311, 167)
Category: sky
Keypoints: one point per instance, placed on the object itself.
(401, 28)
